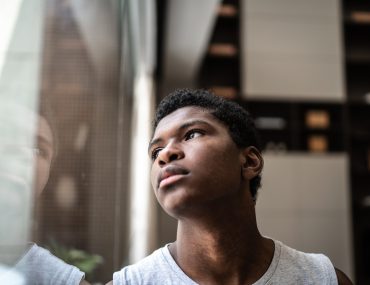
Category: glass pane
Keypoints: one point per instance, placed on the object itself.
(64, 127)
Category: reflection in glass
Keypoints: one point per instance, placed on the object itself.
(27, 149)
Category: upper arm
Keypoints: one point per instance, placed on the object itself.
(84, 282)
(110, 283)
(342, 278)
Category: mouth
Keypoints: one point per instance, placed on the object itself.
(170, 175)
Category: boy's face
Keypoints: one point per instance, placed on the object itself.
(44, 153)
(194, 161)
(26, 148)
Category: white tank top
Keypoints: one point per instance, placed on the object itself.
(288, 266)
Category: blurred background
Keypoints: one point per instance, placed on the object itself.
(100, 67)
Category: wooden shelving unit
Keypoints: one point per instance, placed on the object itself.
(299, 126)
(223, 55)
(356, 27)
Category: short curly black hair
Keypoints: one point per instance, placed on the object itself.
(239, 122)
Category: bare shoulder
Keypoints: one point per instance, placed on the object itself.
(110, 283)
(84, 282)
(342, 278)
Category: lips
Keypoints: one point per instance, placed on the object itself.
(170, 174)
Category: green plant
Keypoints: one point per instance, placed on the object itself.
(83, 260)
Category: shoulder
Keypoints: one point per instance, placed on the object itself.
(320, 265)
(313, 260)
(39, 264)
(342, 278)
(307, 266)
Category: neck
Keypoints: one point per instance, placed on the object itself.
(222, 245)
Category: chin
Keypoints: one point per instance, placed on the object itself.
(175, 207)
(182, 209)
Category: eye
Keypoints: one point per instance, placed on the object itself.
(155, 153)
(193, 134)
(41, 152)
(36, 151)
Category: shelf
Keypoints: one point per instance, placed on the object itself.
(220, 70)
(270, 123)
(227, 11)
(225, 91)
(358, 57)
(279, 121)
(222, 50)
(358, 17)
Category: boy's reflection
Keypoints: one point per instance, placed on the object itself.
(35, 265)
(44, 152)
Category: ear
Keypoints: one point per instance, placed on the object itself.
(252, 162)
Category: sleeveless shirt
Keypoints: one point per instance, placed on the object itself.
(288, 266)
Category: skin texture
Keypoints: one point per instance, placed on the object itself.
(201, 178)
(342, 278)
(199, 139)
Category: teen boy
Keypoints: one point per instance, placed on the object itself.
(206, 166)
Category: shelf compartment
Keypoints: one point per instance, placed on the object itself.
(227, 11)
(222, 50)
(228, 92)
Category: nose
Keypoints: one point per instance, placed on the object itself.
(170, 153)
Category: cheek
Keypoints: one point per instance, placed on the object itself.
(220, 167)
(42, 174)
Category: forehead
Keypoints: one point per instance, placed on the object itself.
(183, 115)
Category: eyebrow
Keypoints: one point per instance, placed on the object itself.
(182, 127)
